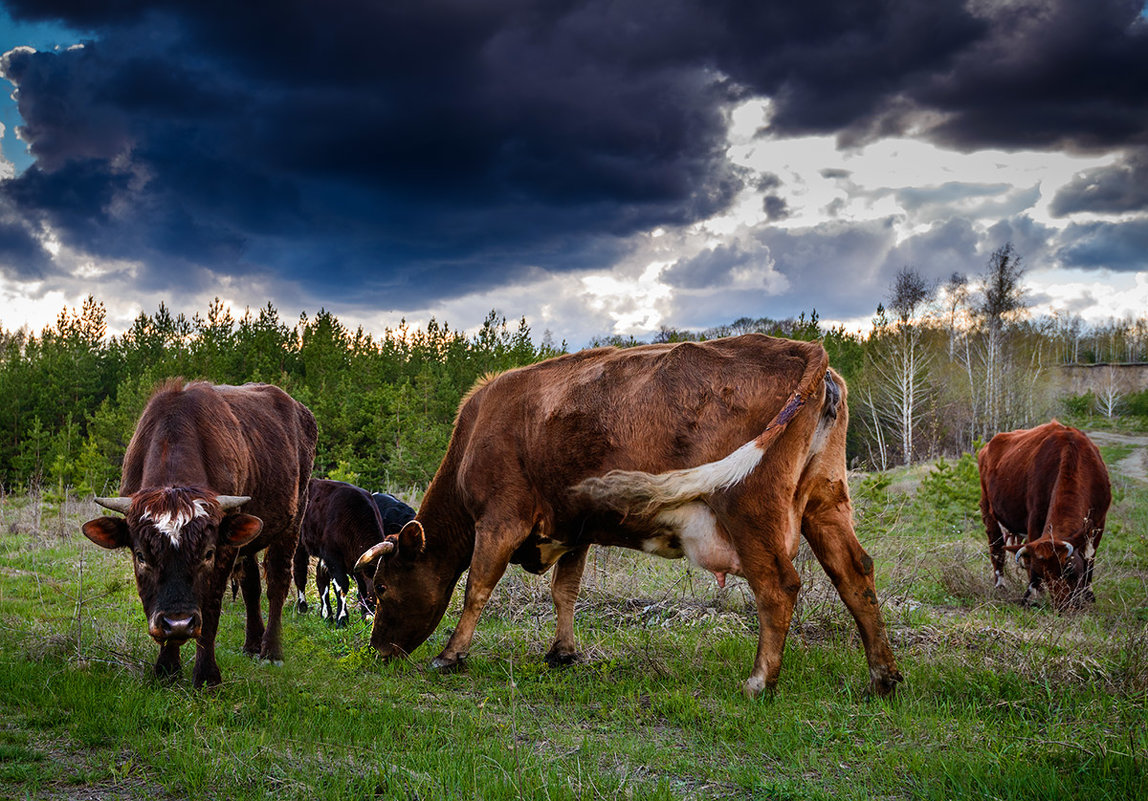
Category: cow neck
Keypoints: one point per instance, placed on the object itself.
(448, 529)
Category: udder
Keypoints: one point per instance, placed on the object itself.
(693, 531)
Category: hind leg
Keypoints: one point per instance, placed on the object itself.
(828, 527)
(277, 566)
(761, 537)
(302, 562)
(252, 592)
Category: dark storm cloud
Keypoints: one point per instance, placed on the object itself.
(1112, 246)
(714, 267)
(402, 153)
(1122, 187)
(22, 256)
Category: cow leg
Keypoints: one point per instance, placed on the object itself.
(775, 584)
(206, 671)
(342, 589)
(1033, 590)
(252, 591)
(564, 591)
(366, 598)
(995, 533)
(277, 566)
(323, 587)
(168, 662)
(302, 563)
(493, 546)
(828, 528)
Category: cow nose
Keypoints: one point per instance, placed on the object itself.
(179, 628)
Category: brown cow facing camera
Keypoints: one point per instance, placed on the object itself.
(1044, 496)
(199, 454)
(726, 452)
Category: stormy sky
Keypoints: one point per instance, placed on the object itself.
(599, 166)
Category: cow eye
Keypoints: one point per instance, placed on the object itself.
(140, 560)
(210, 555)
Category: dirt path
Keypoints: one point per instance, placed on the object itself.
(1135, 464)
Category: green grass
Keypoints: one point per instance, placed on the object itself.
(998, 702)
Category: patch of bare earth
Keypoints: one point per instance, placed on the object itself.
(1135, 464)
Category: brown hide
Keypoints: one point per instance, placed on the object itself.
(656, 448)
(1046, 487)
(341, 522)
(192, 444)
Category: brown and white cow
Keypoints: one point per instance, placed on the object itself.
(1045, 495)
(725, 452)
(199, 454)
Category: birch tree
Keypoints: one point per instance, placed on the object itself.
(899, 360)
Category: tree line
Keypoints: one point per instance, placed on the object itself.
(942, 367)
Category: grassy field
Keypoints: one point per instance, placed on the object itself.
(998, 701)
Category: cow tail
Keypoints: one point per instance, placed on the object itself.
(634, 492)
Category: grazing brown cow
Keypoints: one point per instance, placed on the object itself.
(200, 452)
(1045, 496)
(724, 452)
(343, 521)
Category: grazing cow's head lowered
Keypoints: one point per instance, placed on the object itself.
(1057, 565)
(410, 595)
(182, 543)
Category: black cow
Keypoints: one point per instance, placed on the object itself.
(342, 521)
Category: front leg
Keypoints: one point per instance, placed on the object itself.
(564, 591)
(167, 664)
(206, 671)
(494, 544)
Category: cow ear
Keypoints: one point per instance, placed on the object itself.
(412, 540)
(108, 532)
(238, 530)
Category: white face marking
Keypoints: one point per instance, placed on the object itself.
(172, 525)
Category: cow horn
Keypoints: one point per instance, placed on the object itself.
(120, 504)
(1068, 545)
(228, 502)
(1020, 553)
(374, 552)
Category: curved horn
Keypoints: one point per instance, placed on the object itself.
(228, 502)
(374, 552)
(120, 505)
(1021, 553)
(1068, 545)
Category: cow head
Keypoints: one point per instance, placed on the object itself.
(1056, 564)
(182, 549)
(410, 594)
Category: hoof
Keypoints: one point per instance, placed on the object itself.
(209, 679)
(557, 659)
(301, 607)
(270, 662)
(441, 665)
(755, 686)
(883, 681)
